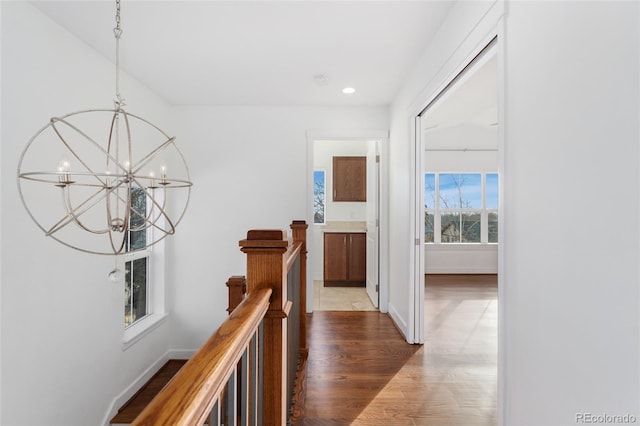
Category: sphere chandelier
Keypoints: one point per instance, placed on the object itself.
(104, 181)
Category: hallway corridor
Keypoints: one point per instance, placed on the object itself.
(361, 372)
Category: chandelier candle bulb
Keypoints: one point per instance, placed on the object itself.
(63, 174)
(163, 176)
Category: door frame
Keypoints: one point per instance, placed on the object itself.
(486, 52)
(373, 222)
(382, 136)
(416, 329)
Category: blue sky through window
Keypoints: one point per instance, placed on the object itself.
(429, 190)
(461, 190)
(492, 191)
(471, 190)
(318, 196)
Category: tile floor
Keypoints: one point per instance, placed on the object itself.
(340, 298)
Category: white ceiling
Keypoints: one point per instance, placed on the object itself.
(260, 52)
(471, 99)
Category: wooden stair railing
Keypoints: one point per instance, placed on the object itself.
(190, 396)
(254, 343)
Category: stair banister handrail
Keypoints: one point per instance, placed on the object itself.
(190, 396)
(188, 399)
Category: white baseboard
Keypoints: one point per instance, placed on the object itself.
(400, 323)
(461, 270)
(143, 378)
(181, 353)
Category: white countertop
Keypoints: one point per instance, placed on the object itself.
(346, 226)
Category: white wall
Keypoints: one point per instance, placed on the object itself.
(461, 258)
(459, 161)
(62, 320)
(571, 287)
(569, 299)
(464, 136)
(249, 165)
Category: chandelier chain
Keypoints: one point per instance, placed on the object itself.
(117, 32)
(118, 14)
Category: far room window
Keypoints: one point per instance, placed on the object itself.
(136, 281)
(460, 199)
(492, 206)
(461, 208)
(318, 196)
(430, 206)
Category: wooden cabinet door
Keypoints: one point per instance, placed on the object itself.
(345, 259)
(335, 257)
(357, 263)
(349, 178)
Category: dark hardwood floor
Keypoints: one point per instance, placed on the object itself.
(361, 371)
(138, 402)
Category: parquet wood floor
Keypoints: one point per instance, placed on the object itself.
(361, 371)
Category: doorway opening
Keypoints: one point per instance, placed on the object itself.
(346, 272)
(458, 180)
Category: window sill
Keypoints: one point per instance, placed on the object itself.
(462, 246)
(146, 325)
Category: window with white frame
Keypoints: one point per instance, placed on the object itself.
(137, 259)
(319, 192)
(144, 294)
(461, 208)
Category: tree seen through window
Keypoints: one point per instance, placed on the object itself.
(461, 207)
(136, 270)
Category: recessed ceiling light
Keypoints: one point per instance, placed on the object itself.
(348, 90)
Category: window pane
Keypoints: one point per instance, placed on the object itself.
(450, 227)
(429, 191)
(138, 239)
(318, 196)
(461, 191)
(492, 191)
(128, 295)
(470, 225)
(135, 290)
(493, 227)
(428, 227)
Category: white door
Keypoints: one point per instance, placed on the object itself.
(372, 222)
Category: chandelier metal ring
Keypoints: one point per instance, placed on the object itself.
(113, 186)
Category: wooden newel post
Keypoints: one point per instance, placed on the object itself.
(299, 231)
(237, 286)
(266, 267)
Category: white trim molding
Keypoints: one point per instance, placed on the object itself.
(381, 135)
(143, 378)
(400, 324)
